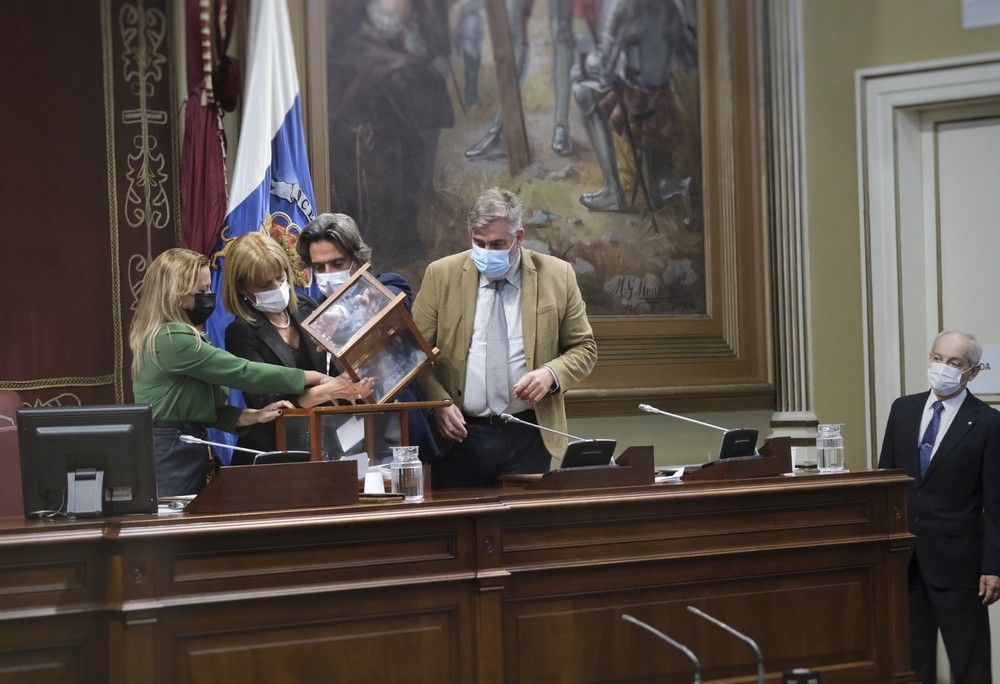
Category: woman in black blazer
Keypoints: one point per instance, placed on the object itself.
(257, 288)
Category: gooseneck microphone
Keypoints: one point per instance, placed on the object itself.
(676, 644)
(652, 409)
(191, 439)
(507, 418)
(738, 442)
(761, 675)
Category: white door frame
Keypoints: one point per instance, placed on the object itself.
(883, 96)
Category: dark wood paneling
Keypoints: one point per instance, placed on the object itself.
(418, 640)
(57, 649)
(721, 521)
(297, 558)
(325, 558)
(801, 611)
(488, 586)
(51, 573)
(50, 664)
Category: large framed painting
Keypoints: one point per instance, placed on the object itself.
(632, 129)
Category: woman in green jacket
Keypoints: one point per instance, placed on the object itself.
(182, 376)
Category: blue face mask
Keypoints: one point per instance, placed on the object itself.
(492, 263)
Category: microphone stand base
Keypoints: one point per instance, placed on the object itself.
(634, 468)
(775, 459)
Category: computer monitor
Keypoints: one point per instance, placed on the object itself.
(87, 460)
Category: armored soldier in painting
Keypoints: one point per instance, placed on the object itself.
(625, 86)
(561, 30)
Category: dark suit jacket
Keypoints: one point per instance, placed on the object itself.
(261, 341)
(954, 511)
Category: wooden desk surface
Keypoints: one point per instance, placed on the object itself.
(475, 585)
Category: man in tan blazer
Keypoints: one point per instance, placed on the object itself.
(513, 333)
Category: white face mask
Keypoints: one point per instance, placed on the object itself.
(328, 282)
(945, 380)
(272, 301)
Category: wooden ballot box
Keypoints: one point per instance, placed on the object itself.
(367, 329)
(332, 432)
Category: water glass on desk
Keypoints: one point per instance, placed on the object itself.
(407, 473)
(830, 448)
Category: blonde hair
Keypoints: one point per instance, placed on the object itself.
(252, 260)
(169, 279)
(495, 204)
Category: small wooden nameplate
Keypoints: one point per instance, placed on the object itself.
(775, 458)
(635, 468)
(244, 489)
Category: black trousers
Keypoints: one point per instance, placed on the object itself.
(181, 468)
(965, 630)
(493, 448)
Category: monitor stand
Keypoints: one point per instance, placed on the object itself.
(84, 491)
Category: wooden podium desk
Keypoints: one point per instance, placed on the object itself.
(488, 586)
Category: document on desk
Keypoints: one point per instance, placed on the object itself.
(173, 505)
(669, 475)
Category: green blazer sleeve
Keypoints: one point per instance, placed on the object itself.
(182, 351)
(185, 381)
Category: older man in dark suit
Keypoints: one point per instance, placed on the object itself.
(949, 442)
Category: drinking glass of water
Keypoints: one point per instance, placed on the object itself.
(830, 448)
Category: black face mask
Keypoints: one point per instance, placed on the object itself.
(204, 305)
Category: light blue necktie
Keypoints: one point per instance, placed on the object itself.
(497, 355)
(930, 436)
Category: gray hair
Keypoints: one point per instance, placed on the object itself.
(495, 204)
(975, 353)
(341, 230)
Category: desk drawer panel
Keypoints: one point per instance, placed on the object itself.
(666, 529)
(818, 618)
(62, 649)
(371, 636)
(303, 558)
(38, 576)
(334, 557)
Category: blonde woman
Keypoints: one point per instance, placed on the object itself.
(256, 287)
(182, 376)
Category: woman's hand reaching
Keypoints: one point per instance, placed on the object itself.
(342, 387)
(314, 378)
(263, 415)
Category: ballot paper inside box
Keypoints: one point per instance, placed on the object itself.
(367, 329)
(363, 432)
